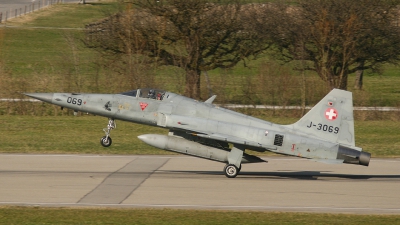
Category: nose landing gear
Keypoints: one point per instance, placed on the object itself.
(106, 140)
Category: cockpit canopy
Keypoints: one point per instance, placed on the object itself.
(146, 93)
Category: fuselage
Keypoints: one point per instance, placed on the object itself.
(201, 129)
(177, 112)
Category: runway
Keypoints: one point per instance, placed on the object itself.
(282, 184)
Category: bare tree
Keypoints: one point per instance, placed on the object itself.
(335, 37)
(195, 35)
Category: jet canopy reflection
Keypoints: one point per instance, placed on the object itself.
(151, 93)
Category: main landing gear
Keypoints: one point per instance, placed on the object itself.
(232, 168)
(231, 171)
(106, 140)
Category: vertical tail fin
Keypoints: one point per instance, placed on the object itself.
(331, 119)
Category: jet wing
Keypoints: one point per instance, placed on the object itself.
(233, 140)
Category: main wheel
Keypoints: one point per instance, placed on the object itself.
(106, 142)
(231, 171)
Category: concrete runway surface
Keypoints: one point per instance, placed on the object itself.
(282, 184)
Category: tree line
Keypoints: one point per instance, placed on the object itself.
(334, 38)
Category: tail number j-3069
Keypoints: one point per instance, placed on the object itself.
(75, 101)
(324, 127)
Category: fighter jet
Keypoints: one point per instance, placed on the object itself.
(202, 129)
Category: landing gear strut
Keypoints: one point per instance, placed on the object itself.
(234, 164)
(106, 140)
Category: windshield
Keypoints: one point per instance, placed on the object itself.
(152, 93)
(146, 93)
(130, 93)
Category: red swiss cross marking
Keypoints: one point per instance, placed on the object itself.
(331, 114)
(143, 105)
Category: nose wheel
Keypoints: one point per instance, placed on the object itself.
(106, 140)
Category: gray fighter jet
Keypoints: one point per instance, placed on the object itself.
(201, 129)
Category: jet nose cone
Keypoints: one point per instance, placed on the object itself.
(46, 97)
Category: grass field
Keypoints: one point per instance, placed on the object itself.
(38, 54)
(31, 215)
(32, 43)
(28, 134)
(69, 134)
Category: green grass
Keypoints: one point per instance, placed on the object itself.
(381, 138)
(77, 16)
(383, 90)
(31, 215)
(31, 48)
(81, 134)
(69, 134)
(66, 15)
(43, 60)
